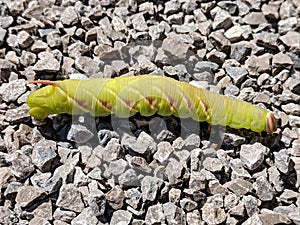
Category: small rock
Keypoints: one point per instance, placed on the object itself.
(150, 188)
(70, 16)
(18, 114)
(238, 74)
(234, 33)
(288, 196)
(222, 20)
(70, 198)
(213, 164)
(120, 217)
(251, 205)
(187, 204)
(212, 214)
(281, 60)
(192, 142)
(86, 65)
(282, 161)
(262, 98)
(176, 46)
(115, 197)
(28, 195)
(164, 150)
(174, 171)
(128, 178)
(194, 218)
(239, 187)
(239, 51)
(64, 215)
(21, 164)
(294, 85)
(133, 197)
(47, 64)
(155, 215)
(24, 39)
(266, 39)
(275, 179)
(173, 214)
(270, 217)
(216, 56)
(86, 216)
(291, 39)
(53, 39)
(291, 108)
(253, 220)
(43, 154)
(79, 134)
(252, 155)
(220, 42)
(138, 22)
(39, 221)
(255, 18)
(265, 191)
(13, 90)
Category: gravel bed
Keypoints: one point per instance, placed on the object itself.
(82, 170)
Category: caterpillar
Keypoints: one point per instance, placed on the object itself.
(147, 94)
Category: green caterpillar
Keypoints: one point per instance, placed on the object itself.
(147, 94)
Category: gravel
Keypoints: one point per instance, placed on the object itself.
(83, 170)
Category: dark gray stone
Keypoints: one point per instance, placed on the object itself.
(43, 154)
(79, 134)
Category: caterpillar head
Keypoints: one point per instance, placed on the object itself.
(42, 101)
(271, 123)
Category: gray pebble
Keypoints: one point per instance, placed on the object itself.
(28, 194)
(282, 161)
(24, 39)
(79, 134)
(86, 65)
(252, 155)
(43, 154)
(222, 20)
(239, 186)
(265, 191)
(70, 198)
(129, 178)
(239, 51)
(291, 39)
(70, 16)
(294, 85)
(150, 187)
(291, 108)
(155, 215)
(173, 214)
(238, 74)
(212, 214)
(121, 217)
(115, 197)
(86, 216)
(251, 205)
(13, 90)
(164, 150)
(254, 18)
(47, 63)
(53, 39)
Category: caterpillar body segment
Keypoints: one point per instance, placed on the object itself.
(147, 94)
